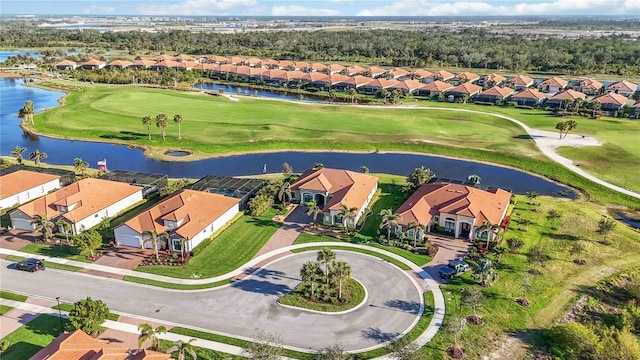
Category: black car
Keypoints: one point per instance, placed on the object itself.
(453, 268)
(30, 265)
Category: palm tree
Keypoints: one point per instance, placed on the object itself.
(532, 195)
(564, 105)
(595, 106)
(178, 120)
(389, 220)
(485, 272)
(283, 192)
(64, 226)
(147, 332)
(309, 272)
(352, 93)
(43, 225)
(146, 120)
(342, 272)
(182, 241)
(155, 239)
(37, 156)
(348, 215)
(183, 347)
(80, 165)
(570, 125)
(561, 127)
(162, 122)
(605, 225)
(313, 210)
(416, 227)
(326, 257)
(17, 153)
(26, 112)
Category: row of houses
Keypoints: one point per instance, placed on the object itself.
(190, 216)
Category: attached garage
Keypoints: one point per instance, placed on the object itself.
(126, 236)
(20, 220)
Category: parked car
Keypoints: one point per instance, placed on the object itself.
(453, 268)
(30, 265)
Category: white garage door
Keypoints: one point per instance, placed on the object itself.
(128, 240)
(22, 224)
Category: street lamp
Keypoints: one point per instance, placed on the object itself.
(60, 315)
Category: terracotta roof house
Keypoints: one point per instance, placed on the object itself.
(355, 70)
(285, 65)
(318, 80)
(166, 64)
(78, 345)
(335, 68)
(21, 186)
(92, 64)
(254, 62)
(220, 59)
(164, 57)
(399, 74)
(301, 65)
(634, 112)
(275, 77)
(66, 65)
(353, 82)
(270, 63)
(407, 86)
(528, 97)
(587, 86)
(333, 188)
(433, 88)
(237, 60)
(553, 85)
(490, 96)
(188, 65)
(187, 214)
(256, 74)
(421, 74)
(241, 72)
(467, 89)
(184, 58)
(610, 103)
(442, 75)
(377, 85)
(317, 67)
(623, 87)
(465, 77)
(521, 82)
(491, 80)
(296, 77)
(461, 210)
(142, 64)
(82, 204)
(119, 64)
(376, 72)
(556, 101)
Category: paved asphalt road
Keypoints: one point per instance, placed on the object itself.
(248, 305)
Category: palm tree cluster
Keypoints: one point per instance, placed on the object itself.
(37, 156)
(265, 198)
(26, 112)
(390, 221)
(162, 122)
(564, 127)
(324, 278)
(418, 177)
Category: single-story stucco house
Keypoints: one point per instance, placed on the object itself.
(528, 97)
(332, 188)
(21, 186)
(187, 214)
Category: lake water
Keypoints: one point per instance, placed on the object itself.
(272, 94)
(4, 54)
(13, 95)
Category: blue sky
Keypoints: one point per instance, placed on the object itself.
(323, 7)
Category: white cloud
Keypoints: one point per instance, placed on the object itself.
(297, 10)
(93, 9)
(537, 7)
(196, 7)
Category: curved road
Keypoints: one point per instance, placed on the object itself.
(393, 305)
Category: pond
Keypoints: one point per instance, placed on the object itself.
(13, 94)
(272, 94)
(4, 54)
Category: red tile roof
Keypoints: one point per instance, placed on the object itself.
(466, 88)
(144, 63)
(66, 63)
(611, 98)
(522, 80)
(589, 84)
(432, 199)
(317, 76)
(498, 91)
(623, 85)
(198, 208)
(568, 94)
(467, 76)
(242, 70)
(183, 58)
(494, 78)
(554, 81)
(422, 73)
(336, 68)
(319, 67)
(436, 86)
(22, 180)
(270, 62)
(237, 60)
(283, 64)
(347, 187)
(443, 74)
(92, 195)
(382, 83)
(120, 63)
(220, 59)
(301, 65)
(408, 85)
(397, 72)
(93, 62)
(375, 71)
(355, 70)
(164, 57)
(252, 61)
(359, 80)
(529, 94)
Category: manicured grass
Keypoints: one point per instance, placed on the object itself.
(166, 285)
(232, 248)
(560, 282)
(362, 251)
(11, 296)
(68, 307)
(4, 309)
(352, 290)
(31, 337)
(61, 251)
(48, 264)
(202, 353)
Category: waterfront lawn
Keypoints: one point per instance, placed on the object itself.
(553, 291)
(32, 337)
(226, 252)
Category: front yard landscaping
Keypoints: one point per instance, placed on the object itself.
(353, 295)
(31, 337)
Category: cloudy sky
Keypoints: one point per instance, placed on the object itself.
(323, 7)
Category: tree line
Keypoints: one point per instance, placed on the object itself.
(472, 48)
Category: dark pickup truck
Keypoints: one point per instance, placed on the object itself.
(453, 268)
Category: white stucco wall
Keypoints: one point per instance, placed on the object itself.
(110, 211)
(210, 229)
(29, 194)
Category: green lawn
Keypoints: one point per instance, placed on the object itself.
(31, 337)
(352, 291)
(61, 251)
(232, 248)
(11, 296)
(4, 309)
(174, 286)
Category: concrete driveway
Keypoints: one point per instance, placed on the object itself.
(449, 249)
(244, 307)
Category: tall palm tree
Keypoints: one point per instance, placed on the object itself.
(342, 272)
(43, 225)
(348, 215)
(389, 220)
(416, 227)
(178, 120)
(80, 165)
(148, 333)
(326, 257)
(309, 273)
(485, 272)
(17, 153)
(283, 192)
(37, 156)
(162, 121)
(146, 120)
(313, 210)
(64, 226)
(183, 348)
(155, 239)
(570, 126)
(26, 112)
(352, 93)
(595, 106)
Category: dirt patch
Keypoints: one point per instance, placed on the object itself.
(523, 302)
(510, 347)
(475, 320)
(455, 352)
(575, 310)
